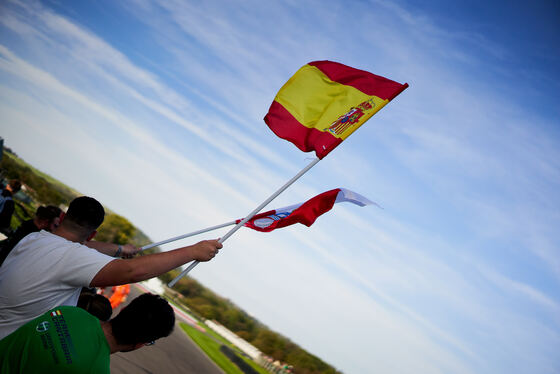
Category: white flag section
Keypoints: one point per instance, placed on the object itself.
(353, 197)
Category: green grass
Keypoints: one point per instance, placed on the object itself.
(255, 366)
(211, 348)
(207, 342)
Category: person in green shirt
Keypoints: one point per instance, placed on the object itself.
(68, 339)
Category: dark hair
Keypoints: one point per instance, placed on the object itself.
(85, 212)
(48, 212)
(15, 185)
(146, 318)
(96, 305)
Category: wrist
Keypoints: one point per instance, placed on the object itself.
(118, 252)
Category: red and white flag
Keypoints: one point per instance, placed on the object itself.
(305, 213)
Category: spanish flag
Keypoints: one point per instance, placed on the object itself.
(324, 102)
(305, 213)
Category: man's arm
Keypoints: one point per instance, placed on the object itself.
(137, 269)
(110, 249)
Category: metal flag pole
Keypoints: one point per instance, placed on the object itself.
(248, 217)
(187, 235)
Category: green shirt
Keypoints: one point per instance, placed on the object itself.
(66, 339)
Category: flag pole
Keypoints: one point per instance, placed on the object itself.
(187, 235)
(248, 217)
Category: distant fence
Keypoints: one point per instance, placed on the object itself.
(242, 344)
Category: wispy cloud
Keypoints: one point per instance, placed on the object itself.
(526, 290)
(459, 272)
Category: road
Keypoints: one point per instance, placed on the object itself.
(172, 355)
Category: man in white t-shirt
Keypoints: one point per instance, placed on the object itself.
(49, 269)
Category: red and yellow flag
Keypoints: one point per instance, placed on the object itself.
(324, 102)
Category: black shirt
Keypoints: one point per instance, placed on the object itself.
(7, 210)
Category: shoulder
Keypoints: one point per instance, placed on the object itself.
(73, 316)
(45, 237)
(68, 314)
(39, 236)
(40, 243)
(67, 310)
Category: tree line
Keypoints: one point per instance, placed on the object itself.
(45, 190)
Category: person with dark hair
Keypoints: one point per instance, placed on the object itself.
(46, 218)
(151, 312)
(7, 205)
(69, 340)
(85, 217)
(49, 269)
(96, 305)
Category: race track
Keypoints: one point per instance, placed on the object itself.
(172, 355)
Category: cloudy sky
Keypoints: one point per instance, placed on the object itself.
(155, 108)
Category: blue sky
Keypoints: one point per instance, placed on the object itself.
(155, 108)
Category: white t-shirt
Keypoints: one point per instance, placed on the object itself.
(41, 272)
